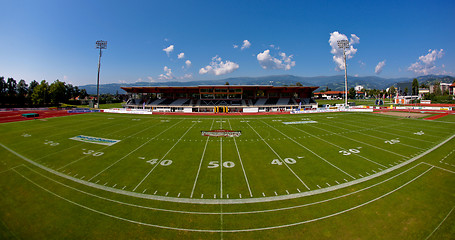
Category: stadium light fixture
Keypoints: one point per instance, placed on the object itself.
(344, 44)
(99, 45)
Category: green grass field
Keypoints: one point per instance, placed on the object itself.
(326, 176)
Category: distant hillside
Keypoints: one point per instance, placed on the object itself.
(332, 82)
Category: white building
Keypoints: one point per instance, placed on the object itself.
(358, 88)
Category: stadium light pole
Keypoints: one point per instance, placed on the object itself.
(345, 44)
(99, 45)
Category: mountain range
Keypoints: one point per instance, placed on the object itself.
(335, 83)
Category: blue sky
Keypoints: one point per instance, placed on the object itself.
(56, 39)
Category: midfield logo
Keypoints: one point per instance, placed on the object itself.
(221, 133)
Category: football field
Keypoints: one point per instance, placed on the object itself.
(305, 176)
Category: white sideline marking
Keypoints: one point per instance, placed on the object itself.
(438, 167)
(228, 201)
(440, 224)
(241, 162)
(4, 171)
(162, 157)
(232, 213)
(221, 230)
(278, 156)
(200, 163)
(311, 151)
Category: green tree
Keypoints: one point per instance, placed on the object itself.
(40, 95)
(3, 88)
(437, 89)
(415, 87)
(351, 93)
(11, 90)
(405, 93)
(392, 91)
(298, 84)
(22, 90)
(227, 83)
(57, 91)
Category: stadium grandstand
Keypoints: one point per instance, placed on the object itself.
(221, 98)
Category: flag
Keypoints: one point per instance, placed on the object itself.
(143, 105)
(300, 105)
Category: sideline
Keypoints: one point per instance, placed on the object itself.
(229, 201)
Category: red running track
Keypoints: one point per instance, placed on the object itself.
(15, 116)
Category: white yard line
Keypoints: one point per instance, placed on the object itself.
(221, 162)
(77, 160)
(356, 154)
(227, 201)
(163, 156)
(380, 138)
(200, 163)
(437, 227)
(133, 150)
(390, 133)
(278, 157)
(77, 145)
(317, 155)
(341, 135)
(241, 163)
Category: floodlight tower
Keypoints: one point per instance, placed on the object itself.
(99, 45)
(345, 44)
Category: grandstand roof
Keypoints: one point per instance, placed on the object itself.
(196, 88)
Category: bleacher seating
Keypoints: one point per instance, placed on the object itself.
(260, 101)
(271, 101)
(166, 102)
(283, 101)
(179, 102)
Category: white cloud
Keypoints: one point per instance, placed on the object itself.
(338, 52)
(167, 75)
(235, 46)
(188, 63)
(181, 55)
(151, 79)
(268, 62)
(218, 67)
(169, 49)
(246, 44)
(426, 63)
(379, 67)
(362, 64)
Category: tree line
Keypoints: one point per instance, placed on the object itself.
(20, 94)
